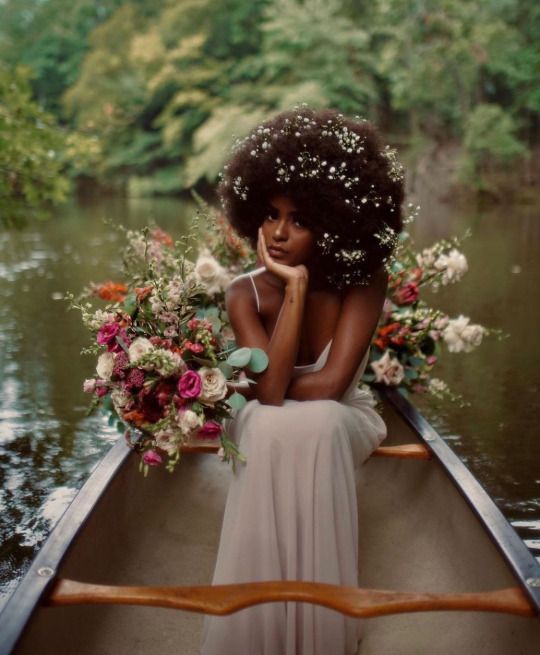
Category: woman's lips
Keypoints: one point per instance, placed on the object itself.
(276, 252)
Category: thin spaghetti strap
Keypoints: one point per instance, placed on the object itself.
(255, 290)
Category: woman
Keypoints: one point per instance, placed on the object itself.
(321, 198)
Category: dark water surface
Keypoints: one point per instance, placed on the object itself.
(48, 446)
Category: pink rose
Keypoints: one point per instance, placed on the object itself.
(152, 458)
(107, 333)
(210, 430)
(101, 389)
(431, 360)
(190, 385)
(407, 294)
(89, 386)
(114, 346)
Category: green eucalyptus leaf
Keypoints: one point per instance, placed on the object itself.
(215, 322)
(411, 373)
(258, 360)
(130, 303)
(226, 369)
(239, 357)
(236, 400)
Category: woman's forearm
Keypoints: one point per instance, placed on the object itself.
(283, 346)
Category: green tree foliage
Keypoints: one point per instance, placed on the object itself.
(30, 146)
(160, 88)
(489, 141)
(51, 38)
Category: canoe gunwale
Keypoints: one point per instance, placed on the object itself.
(514, 551)
(40, 577)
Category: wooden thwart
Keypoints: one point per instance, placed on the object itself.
(225, 599)
(406, 451)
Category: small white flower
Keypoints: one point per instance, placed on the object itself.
(454, 266)
(105, 364)
(167, 441)
(459, 336)
(120, 400)
(140, 347)
(437, 386)
(189, 421)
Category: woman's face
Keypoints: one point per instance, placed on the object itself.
(288, 240)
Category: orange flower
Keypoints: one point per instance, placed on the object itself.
(161, 236)
(134, 416)
(142, 293)
(384, 333)
(113, 291)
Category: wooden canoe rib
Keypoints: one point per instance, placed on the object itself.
(226, 599)
(405, 451)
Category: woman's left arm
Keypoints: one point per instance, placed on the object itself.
(357, 321)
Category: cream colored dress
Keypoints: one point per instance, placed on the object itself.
(291, 514)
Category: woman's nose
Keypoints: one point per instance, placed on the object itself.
(281, 230)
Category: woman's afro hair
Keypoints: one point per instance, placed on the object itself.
(347, 187)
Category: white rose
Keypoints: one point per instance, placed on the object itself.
(105, 364)
(210, 274)
(189, 421)
(454, 266)
(388, 370)
(167, 441)
(214, 385)
(138, 348)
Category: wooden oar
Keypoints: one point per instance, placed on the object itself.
(225, 599)
(406, 451)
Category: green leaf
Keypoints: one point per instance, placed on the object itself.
(411, 373)
(215, 322)
(130, 303)
(258, 360)
(226, 369)
(236, 400)
(239, 357)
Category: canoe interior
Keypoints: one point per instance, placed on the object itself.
(416, 534)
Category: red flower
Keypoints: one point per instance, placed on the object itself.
(407, 294)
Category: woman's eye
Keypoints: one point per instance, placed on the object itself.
(299, 223)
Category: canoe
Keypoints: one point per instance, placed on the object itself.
(128, 567)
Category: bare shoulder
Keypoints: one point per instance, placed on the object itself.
(240, 293)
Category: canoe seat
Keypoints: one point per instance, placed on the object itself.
(405, 451)
(225, 599)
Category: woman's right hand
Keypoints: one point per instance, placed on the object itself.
(289, 274)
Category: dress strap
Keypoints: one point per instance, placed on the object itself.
(255, 290)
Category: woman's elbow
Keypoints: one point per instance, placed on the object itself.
(270, 399)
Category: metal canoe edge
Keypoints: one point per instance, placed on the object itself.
(22, 602)
(514, 551)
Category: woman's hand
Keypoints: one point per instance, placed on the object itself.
(288, 274)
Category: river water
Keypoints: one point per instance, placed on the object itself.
(48, 445)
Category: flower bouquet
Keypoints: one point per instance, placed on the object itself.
(408, 339)
(167, 367)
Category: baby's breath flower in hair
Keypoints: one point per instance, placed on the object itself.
(347, 187)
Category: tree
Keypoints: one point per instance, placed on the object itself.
(30, 146)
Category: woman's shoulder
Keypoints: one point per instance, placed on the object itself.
(243, 285)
